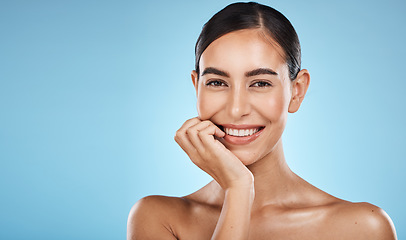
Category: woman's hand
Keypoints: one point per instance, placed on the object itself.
(198, 139)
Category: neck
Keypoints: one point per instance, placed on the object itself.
(273, 178)
(274, 183)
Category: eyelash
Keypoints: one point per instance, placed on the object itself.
(219, 83)
(216, 83)
(263, 83)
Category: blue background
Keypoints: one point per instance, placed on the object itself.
(92, 92)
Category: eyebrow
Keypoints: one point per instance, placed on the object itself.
(260, 71)
(255, 72)
(212, 70)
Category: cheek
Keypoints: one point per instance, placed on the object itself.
(274, 108)
(207, 105)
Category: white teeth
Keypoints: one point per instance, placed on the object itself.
(241, 132)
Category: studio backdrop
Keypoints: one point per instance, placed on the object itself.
(92, 93)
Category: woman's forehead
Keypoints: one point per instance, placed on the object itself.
(243, 50)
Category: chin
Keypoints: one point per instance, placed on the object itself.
(246, 157)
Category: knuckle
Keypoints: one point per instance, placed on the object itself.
(211, 127)
(193, 120)
(207, 130)
(188, 121)
(195, 158)
(190, 131)
(178, 133)
(207, 122)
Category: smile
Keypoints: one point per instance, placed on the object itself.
(241, 134)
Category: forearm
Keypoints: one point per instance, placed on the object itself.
(234, 220)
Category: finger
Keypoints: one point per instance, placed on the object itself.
(183, 140)
(190, 150)
(193, 134)
(189, 123)
(207, 132)
(217, 131)
(207, 135)
(180, 135)
(210, 133)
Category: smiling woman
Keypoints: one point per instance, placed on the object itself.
(247, 79)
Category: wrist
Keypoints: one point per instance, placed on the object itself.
(241, 191)
(243, 183)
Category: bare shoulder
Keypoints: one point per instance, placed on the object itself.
(153, 217)
(362, 221)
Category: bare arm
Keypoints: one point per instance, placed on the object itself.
(198, 139)
(235, 215)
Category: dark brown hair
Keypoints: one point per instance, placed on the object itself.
(238, 16)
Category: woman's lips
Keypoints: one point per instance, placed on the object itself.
(241, 134)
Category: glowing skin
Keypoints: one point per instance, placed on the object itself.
(261, 100)
(243, 99)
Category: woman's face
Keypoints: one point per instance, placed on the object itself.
(244, 89)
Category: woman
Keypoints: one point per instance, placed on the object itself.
(247, 79)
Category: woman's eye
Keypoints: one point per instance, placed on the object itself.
(216, 83)
(261, 84)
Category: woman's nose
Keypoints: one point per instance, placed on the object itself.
(238, 104)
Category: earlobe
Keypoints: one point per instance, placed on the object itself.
(299, 89)
(194, 79)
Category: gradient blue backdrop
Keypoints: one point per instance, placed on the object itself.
(92, 92)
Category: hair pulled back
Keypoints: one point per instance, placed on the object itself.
(239, 16)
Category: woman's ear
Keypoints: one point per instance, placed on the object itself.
(194, 76)
(299, 89)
